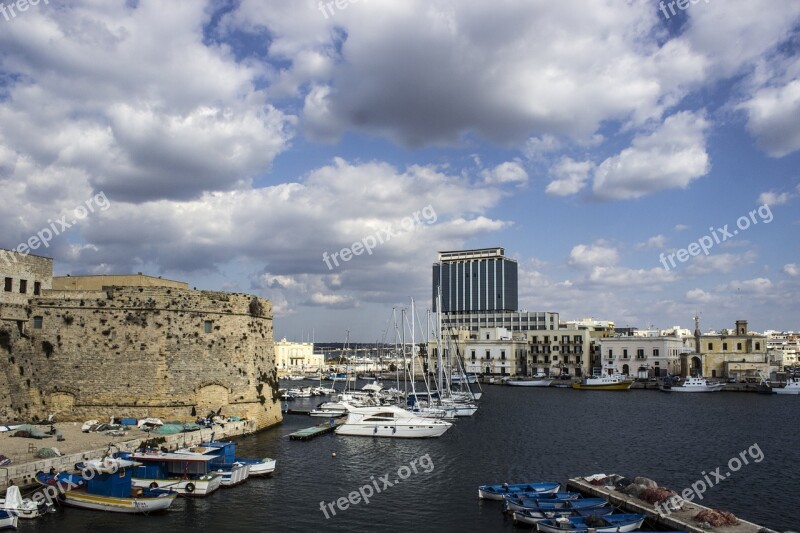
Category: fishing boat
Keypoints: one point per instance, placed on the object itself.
(515, 501)
(535, 381)
(792, 387)
(496, 492)
(390, 421)
(109, 488)
(695, 384)
(8, 520)
(530, 517)
(258, 467)
(600, 524)
(189, 475)
(233, 472)
(544, 506)
(604, 379)
(22, 508)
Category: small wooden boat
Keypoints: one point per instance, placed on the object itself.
(513, 502)
(106, 486)
(545, 506)
(258, 467)
(496, 492)
(22, 508)
(7, 520)
(612, 523)
(526, 516)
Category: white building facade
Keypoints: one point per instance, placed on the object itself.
(495, 352)
(643, 357)
(297, 356)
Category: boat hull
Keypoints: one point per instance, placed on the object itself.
(530, 382)
(235, 476)
(8, 520)
(626, 385)
(260, 468)
(184, 487)
(496, 492)
(401, 431)
(118, 505)
(707, 388)
(622, 526)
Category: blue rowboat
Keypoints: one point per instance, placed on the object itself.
(612, 523)
(529, 517)
(512, 501)
(544, 506)
(496, 492)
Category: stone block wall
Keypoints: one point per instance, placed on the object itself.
(140, 351)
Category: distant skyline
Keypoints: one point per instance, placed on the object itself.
(641, 164)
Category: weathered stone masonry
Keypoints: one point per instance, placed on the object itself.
(138, 351)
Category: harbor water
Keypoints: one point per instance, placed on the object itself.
(517, 435)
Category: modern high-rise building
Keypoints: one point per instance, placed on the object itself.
(475, 281)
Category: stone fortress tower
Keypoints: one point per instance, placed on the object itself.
(131, 345)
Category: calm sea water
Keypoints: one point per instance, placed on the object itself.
(518, 435)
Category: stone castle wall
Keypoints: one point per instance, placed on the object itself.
(138, 351)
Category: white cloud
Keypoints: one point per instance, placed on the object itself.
(670, 157)
(656, 242)
(699, 295)
(792, 269)
(772, 198)
(755, 286)
(588, 256)
(570, 177)
(508, 172)
(718, 263)
(772, 117)
(681, 227)
(630, 277)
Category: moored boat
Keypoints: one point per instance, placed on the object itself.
(258, 467)
(390, 421)
(521, 500)
(109, 488)
(550, 506)
(600, 524)
(792, 387)
(530, 382)
(189, 475)
(8, 520)
(233, 473)
(695, 384)
(604, 379)
(530, 517)
(496, 492)
(22, 508)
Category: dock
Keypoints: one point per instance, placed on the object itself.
(316, 431)
(682, 520)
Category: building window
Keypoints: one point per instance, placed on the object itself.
(487, 336)
(9, 285)
(473, 355)
(488, 354)
(738, 345)
(37, 288)
(610, 353)
(655, 352)
(37, 322)
(640, 353)
(555, 358)
(710, 346)
(758, 346)
(503, 355)
(23, 286)
(207, 326)
(724, 346)
(625, 353)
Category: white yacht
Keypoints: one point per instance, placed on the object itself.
(390, 421)
(696, 384)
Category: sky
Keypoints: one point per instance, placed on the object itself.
(640, 161)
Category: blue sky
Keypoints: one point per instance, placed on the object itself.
(238, 142)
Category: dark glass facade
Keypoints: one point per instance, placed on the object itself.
(485, 282)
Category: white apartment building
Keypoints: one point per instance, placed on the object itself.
(495, 352)
(783, 347)
(564, 351)
(641, 356)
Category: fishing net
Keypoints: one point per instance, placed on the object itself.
(717, 518)
(47, 453)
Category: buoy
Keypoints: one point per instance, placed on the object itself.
(333, 454)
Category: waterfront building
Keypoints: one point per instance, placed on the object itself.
(642, 356)
(473, 281)
(568, 350)
(783, 347)
(737, 354)
(496, 352)
(297, 357)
